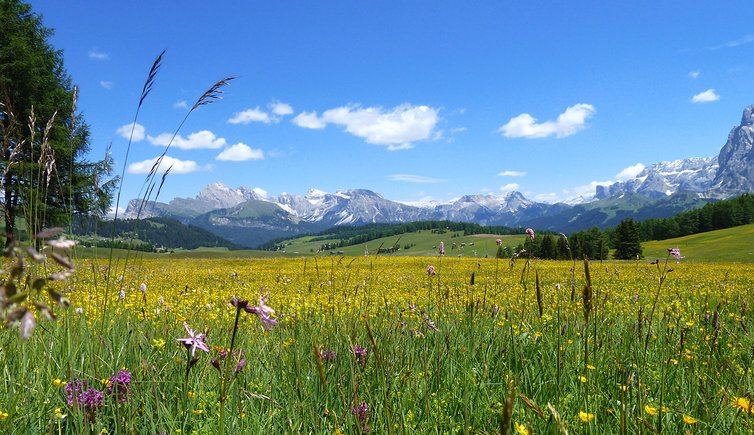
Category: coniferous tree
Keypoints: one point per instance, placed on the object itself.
(627, 240)
(44, 175)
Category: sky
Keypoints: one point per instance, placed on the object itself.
(416, 100)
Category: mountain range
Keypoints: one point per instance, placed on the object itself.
(249, 217)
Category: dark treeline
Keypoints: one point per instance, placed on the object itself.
(149, 233)
(593, 243)
(713, 216)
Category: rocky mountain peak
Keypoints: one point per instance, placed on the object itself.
(736, 159)
(747, 120)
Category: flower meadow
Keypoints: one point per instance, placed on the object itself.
(385, 345)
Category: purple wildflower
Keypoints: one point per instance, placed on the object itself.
(263, 311)
(530, 233)
(91, 398)
(238, 303)
(122, 294)
(360, 353)
(328, 355)
(120, 383)
(675, 252)
(143, 288)
(73, 390)
(442, 248)
(360, 411)
(498, 242)
(194, 341)
(431, 271)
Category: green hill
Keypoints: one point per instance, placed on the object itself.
(731, 244)
(417, 243)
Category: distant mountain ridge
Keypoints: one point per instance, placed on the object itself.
(249, 217)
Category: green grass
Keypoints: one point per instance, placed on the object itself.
(731, 244)
(422, 243)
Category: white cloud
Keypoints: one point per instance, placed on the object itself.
(178, 166)
(309, 120)
(240, 152)
(396, 128)
(694, 74)
(746, 39)
(125, 132)
(707, 96)
(106, 84)
(630, 172)
(281, 109)
(568, 123)
(250, 115)
(512, 174)
(98, 55)
(408, 178)
(180, 104)
(510, 187)
(204, 139)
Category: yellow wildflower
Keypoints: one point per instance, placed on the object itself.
(583, 379)
(158, 343)
(649, 409)
(741, 404)
(586, 417)
(689, 419)
(521, 429)
(3, 415)
(58, 382)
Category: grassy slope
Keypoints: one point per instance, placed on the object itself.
(731, 244)
(425, 242)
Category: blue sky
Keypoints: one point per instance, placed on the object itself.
(412, 99)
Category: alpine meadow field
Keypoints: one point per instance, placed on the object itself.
(141, 294)
(382, 344)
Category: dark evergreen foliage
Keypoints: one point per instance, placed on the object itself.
(714, 216)
(627, 240)
(45, 178)
(152, 233)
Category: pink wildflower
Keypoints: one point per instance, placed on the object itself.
(262, 310)
(530, 232)
(675, 252)
(194, 340)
